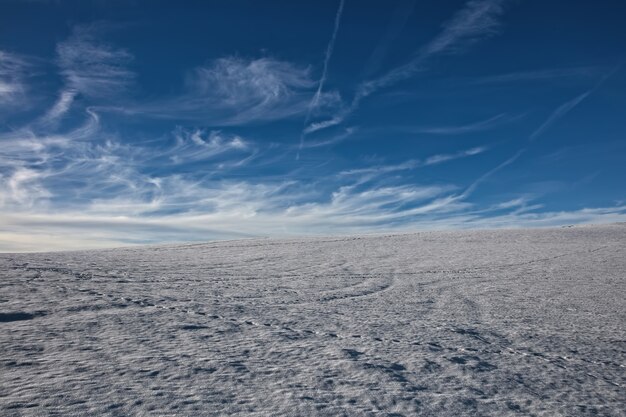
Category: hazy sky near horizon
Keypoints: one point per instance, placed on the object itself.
(125, 122)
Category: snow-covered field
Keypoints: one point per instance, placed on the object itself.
(528, 322)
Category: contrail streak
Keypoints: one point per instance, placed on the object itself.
(477, 19)
(565, 108)
(560, 112)
(329, 52)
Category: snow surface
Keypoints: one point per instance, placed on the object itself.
(510, 322)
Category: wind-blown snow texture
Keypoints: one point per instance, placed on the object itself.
(528, 322)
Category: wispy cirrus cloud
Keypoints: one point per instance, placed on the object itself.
(80, 175)
(120, 196)
(119, 187)
(60, 107)
(198, 145)
(370, 207)
(235, 210)
(437, 159)
(183, 210)
(383, 169)
(91, 67)
(232, 91)
(26, 148)
(12, 84)
(22, 187)
(94, 164)
(477, 20)
(369, 173)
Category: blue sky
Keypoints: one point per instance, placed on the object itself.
(160, 121)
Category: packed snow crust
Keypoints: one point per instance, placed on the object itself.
(492, 323)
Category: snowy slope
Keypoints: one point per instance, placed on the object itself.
(528, 322)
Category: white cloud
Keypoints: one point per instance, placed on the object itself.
(92, 67)
(240, 83)
(108, 191)
(196, 145)
(60, 107)
(315, 126)
(22, 187)
(223, 209)
(242, 209)
(477, 20)
(12, 74)
(92, 169)
(383, 169)
(84, 187)
(437, 159)
(233, 91)
(370, 172)
(466, 128)
(110, 198)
